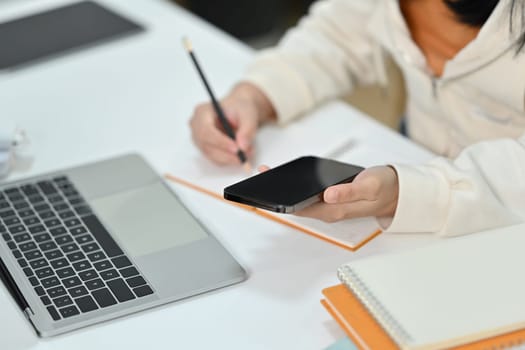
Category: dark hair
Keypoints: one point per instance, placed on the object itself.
(476, 13)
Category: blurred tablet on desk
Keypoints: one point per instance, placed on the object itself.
(57, 31)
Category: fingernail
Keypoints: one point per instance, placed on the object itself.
(244, 144)
(330, 196)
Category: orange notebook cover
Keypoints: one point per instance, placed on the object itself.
(279, 217)
(367, 333)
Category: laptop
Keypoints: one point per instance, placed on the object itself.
(95, 242)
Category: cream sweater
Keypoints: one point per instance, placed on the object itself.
(473, 116)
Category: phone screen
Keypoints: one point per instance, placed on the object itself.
(293, 185)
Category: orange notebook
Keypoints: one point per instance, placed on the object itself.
(351, 235)
(367, 333)
(461, 293)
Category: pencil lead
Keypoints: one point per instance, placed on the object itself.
(187, 44)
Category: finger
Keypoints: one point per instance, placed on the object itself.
(263, 168)
(337, 212)
(343, 193)
(213, 137)
(205, 131)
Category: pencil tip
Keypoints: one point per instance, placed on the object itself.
(187, 44)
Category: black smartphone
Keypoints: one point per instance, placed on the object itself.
(292, 186)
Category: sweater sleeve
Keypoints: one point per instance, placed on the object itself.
(328, 53)
(483, 188)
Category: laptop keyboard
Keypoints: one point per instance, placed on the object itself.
(70, 259)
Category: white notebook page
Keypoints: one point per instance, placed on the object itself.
(458, 290)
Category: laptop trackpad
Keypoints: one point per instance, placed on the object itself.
(147, 219)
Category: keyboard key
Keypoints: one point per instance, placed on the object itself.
(102, 265)
(17, 254)
(71, 282)
(69, 248)
(15, 198)
(22, 263)
(32, 255)
(6, 236)
(27, 246)
(7, 213)
(60, 206)
(143, 291)
(4, 205)
(94, 284)
(78, 291)
(60, 263)
(87, 275)
(72, 222)
(70, 193)
(36, 264)
(65, 272)
(33, 281)
(40, 291)
(37, 229)
(45, 300)
(53, 312)
(11, 245)
(54, 254)
(109, 274)
(42, 207)
(129, 271)
(16, 229)
(76, 200)
(48, 246)
(86, 304)
(47, 187)
(21, 205)
(83, 210)
(56, 292)
(33, 220)
(12, 221)
(55, 199)
(62, 301)
(22, 238)
(120, 290)
(44, 215)
(57, 231)
(121, 261)
(84, 239)
(82, 265)
(96, 256)
(52, 223)
(69, 311)
(35, 199)
(76, 256)
(42, 237)
(102, 236)
(28, 272)
(103, 297)
(50, 282)
(64, 239)
(44, 272)
(75, 231)
(90, 247)
(26, 213)
(66, 214)
(3, 229)
(29, 189)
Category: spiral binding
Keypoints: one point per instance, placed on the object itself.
(352, 281)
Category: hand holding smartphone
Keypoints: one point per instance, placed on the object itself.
(292, 186)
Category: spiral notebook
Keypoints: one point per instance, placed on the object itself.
(462, 293)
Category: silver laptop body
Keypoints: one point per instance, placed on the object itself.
(64, 271)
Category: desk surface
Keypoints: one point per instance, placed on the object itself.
(137, 95)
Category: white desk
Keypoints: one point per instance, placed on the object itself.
(137, 95)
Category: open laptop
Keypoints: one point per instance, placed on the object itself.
(99, 241)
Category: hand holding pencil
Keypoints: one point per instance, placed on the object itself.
(224, 132)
